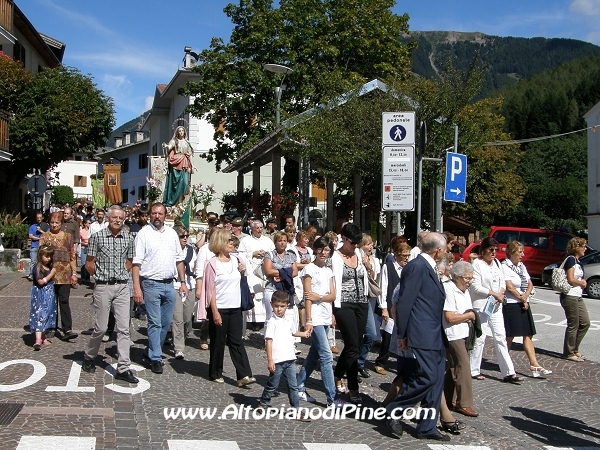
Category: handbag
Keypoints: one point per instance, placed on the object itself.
(374, 289)
(197, 324)
(247, 300)
(559, 279)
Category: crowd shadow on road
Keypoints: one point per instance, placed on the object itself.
(552, 429)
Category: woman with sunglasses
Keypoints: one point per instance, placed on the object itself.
(489, 283)
(184, 307)
(350, 306)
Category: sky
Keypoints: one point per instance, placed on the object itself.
(130, 46)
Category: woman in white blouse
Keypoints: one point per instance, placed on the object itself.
(518, 320)
(489, 283)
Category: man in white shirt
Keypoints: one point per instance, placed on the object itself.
(159, 260)
(254, 249)
(99, 224)
(236, 228)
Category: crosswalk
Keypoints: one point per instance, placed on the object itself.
(89, 443)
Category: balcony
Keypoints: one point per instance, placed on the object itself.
(6, 15)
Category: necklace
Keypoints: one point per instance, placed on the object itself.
(227, 267)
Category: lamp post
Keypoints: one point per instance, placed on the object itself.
(278, 68)
(304, 165)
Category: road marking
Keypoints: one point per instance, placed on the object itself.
(549, 447)
(181, 444)
(325, 446)
(73, 381)
(457, 447)
(56, 443)
(39, 371)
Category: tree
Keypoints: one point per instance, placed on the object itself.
(14, 79)
(331, 45)
(61, 195)
(346, 140)
(59, 112)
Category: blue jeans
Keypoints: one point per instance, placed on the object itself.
(33, 257)
(288, 370)
(85, 276)
(160, 303)
(368, 338)
(321, 352)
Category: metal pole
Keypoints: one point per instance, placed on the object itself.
(277, 104)
(419, 192)
(455, 138)
(398, 223)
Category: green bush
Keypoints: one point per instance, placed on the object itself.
(62, 195)
(15, 231)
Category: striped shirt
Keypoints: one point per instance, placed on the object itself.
(111, 252)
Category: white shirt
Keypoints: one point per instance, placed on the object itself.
(514, 278)
(252, 243)
(281, 331)
(95, 226)
(382, 300)
(227, 281)
(204, 254)
(485, 279)
(458, 302)
(157, 252)
(414, 252)
(320, 279)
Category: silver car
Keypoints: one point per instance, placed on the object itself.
(591, 270)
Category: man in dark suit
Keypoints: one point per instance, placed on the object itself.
(419, 323)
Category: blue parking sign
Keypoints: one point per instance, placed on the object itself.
(456, 178)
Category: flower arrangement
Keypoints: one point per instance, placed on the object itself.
(154, 190)
(285, 203)
(202, 195)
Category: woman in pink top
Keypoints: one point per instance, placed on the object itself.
(84, 235)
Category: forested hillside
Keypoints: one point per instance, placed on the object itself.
(554, 170)
(507, 59)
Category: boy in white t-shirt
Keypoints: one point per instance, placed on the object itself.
(281, 355)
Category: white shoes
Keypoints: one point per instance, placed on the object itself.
(305, 396)
(537, 371)
(179, 355)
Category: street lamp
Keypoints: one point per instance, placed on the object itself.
(278, 68)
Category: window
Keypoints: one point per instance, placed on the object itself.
(125, 195)
(560, 242)
(142, 192)
(80, 181)
(530, 239)
(125, 165)
(143, 161)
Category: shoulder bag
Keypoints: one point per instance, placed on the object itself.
(247, 302)
(559, 279)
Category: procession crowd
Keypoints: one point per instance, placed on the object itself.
(429, 312)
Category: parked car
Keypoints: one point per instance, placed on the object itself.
(542, 247)
(473, 247)
(457, 250)
(591, 270)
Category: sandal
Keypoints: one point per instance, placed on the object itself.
(575, 358)
(340, 387)
(37, 345)
(204, 346)
(478, 377)
(46, 342)
(453, 427)
(580, 356)
(513, 379)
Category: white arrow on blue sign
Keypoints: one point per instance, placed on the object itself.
(456, 178)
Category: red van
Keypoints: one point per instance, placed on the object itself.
(542, 247)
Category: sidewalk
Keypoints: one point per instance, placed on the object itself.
(559, 411)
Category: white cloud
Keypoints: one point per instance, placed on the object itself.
(129, 60)
(590, 8)
(81, 20)
(148, 103)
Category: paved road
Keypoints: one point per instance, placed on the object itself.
(65, 408)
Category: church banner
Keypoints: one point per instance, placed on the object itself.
(112, 183)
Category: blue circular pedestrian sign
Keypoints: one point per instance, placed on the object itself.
(397, 133)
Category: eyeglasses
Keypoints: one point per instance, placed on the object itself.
(402, 255)
(184, 236)
(467, 278)
(492, 250)
(351, 241)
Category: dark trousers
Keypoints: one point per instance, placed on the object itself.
(228, 334)
(62, 292)
(426, 387)
(384, 349)
(351, 320)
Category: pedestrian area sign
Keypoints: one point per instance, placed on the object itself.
(456, 178)
(398, 161)
(398, 178)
